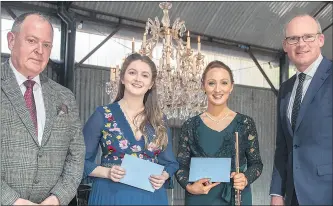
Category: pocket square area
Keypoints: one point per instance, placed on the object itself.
(61, 112)
(62, 109)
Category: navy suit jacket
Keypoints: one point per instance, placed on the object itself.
(303, 159)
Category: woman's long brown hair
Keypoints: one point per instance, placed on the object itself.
(152, 112)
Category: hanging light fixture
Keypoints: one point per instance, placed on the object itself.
(179, 68)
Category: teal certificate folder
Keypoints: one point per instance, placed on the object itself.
(217, 169)
(138, 172)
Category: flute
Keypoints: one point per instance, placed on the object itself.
(237, 192)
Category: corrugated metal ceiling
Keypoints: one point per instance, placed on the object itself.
(256, 23)
(259, 23)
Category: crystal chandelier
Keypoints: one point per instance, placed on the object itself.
(111, 87)
(179, 69)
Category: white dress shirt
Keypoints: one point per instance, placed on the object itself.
(310, 71)
(38, 95)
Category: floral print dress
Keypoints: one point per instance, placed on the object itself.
(109, 129)
(197, 140)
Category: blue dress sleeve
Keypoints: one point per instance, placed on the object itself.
(168, 159)
(92, 132)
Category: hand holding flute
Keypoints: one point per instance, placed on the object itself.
(240, 181)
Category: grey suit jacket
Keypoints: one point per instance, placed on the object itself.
(34, 172)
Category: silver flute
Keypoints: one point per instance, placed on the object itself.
(237, 192)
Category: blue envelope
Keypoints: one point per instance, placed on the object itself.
(138, 172)
(217, 169)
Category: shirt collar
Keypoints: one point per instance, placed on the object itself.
(311, 70)
(20, 77)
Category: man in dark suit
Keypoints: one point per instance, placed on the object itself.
(42, 150)
(302, 173)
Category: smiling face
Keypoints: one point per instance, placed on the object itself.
(303, 54)
(217, 85)
(31, 45)
(137, 78)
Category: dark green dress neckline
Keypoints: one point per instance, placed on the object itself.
(212, 140)
(226, 128)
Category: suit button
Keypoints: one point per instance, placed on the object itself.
(296, 146)
(36, 181)
(40, 155)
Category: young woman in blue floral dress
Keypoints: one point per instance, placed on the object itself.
(134, 125)
(212, 134)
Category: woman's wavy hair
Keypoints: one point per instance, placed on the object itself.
(152, 112)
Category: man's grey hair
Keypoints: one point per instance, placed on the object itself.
(19, 20)
(302, 15)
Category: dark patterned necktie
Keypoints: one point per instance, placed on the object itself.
(297, 100)
(30, 102)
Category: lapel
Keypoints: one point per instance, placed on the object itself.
(285, 103)
(323, 71)
(12, 90)
(50, 104)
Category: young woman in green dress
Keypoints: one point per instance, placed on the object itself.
(212, 134)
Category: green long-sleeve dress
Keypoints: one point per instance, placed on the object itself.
(198, 140)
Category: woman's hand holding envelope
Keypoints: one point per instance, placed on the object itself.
(157, 181)
(202, 186)
(116, 173)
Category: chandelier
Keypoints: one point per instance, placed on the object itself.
(111, 87)
(179, 67)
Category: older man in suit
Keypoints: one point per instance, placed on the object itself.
(302, 173)
(42, 143)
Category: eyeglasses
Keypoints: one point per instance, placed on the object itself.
(306, 38)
